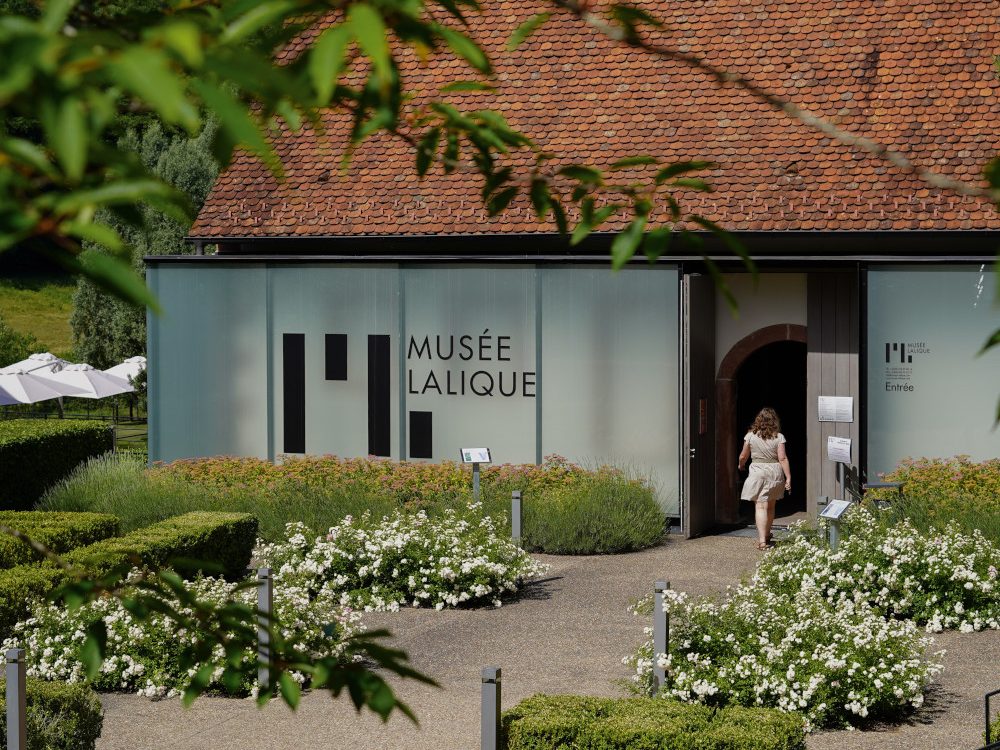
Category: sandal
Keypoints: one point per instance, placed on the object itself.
(763, 546)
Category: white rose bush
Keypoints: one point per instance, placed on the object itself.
(321, 587)
(942, 580)
(832, 635)
(407, 559)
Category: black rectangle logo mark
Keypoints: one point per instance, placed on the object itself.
(336, 356)
(293, 363)
(421, 434)
(378, 395)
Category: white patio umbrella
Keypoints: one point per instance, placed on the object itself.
(40, 363)
(24, 388)
(84, 381)
(128, 369)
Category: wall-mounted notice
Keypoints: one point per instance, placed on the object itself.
(476, 455)
(836, 409)
(838, 449)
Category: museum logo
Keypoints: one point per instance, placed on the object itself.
(899, 364)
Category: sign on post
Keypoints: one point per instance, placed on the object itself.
(475, 456)
(835, 510)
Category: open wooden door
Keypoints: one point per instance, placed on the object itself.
(698, 397)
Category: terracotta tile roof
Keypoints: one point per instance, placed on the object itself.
(916, 76)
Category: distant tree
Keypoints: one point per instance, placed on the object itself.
(106, 328)
(14, 345)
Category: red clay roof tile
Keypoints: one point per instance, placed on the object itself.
(916, 76)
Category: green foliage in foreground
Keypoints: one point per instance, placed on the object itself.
(226, 539)
(58, 532)
(548, 722)
(567, 510)
(598, 514)
(37, 453)
(60, 716)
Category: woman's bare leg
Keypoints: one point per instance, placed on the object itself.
(762, 518)
(770, 516)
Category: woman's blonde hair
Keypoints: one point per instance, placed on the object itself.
(766, 424)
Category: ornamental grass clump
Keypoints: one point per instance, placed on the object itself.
(407, 559)
(941, 580)
(148, 658)
(836, 665)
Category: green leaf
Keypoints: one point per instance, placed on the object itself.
(56, 13)
(468, 50)
(369, 30)
(427, 150)
(184, 38)
(657, 242)
(199, 683)
(625, 244)
(681, 167)
(100, 234)
(290, 690)
(526, 29)
(634, 161)
(93, 649)
(993, 340)
(501, 200)
(236, 121)
(120, 191)
(541, 199)
(28, 153)
(147, 74)
(692, 183)
(730, 240)
(466, 86)
(559, 213)
(582, 174)
(69, 138)
(118, 277)
(327, 60)
(580, 232)
(260, 15)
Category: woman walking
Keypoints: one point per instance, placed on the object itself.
(770, 475)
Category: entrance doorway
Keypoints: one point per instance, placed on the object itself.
(775, 375)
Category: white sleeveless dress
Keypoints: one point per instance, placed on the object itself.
(767, 480)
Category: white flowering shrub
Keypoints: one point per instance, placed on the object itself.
(941, 580)
(145, 657)
(403, 560)
(836, 665)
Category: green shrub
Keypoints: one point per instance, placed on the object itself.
(60, 716)
(37, 453)
(60, 532)
(547, 722)
(937, 491)
(225, 539)
(598, 513)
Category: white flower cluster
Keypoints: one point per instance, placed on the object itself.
(145, 657)
(403, 560)
(942, 580)
(834, 664)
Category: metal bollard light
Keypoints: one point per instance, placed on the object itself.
(17, 701)
(515, 517)
(265, 605)
(490, 723)
(661, 632)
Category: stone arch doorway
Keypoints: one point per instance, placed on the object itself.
(768, 354)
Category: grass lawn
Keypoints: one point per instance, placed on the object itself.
(41, 306)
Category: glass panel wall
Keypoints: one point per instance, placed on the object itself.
(609, 370)
(928, 392)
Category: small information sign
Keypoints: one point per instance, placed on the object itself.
(838, 449)
(835, 510)
(476, 456)
(836, 409)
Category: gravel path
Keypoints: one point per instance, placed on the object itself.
(567, 633)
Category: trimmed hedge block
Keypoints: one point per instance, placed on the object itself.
(59, 531)
(61, 716)
(545, 722)
(223, 539)
(37, 453)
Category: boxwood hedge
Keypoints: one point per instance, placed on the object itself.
(225, 540)
(545, 722)
(37, 453)
(60, 532)
(60, 716)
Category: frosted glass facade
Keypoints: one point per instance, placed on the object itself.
(415, 362)
(609, 370)
(208, 362)
(928, 392)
